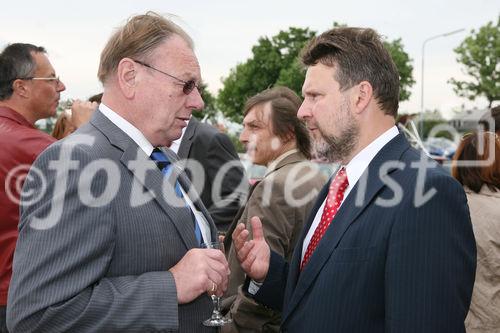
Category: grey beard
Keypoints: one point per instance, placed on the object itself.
(337, 149)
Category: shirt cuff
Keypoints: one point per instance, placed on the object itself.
(253, 287)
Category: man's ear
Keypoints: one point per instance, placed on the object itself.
(363, 95)
(20, 88)
(126, 75)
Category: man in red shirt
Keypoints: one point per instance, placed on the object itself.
(29, 91)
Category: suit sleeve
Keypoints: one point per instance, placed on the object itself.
(272, 291)
(233, 185)
(430, 265)
(59, 281)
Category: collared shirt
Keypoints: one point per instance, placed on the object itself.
(274, 163)
(135, 134)
(354, 170)
(21, 144)
(174, 146)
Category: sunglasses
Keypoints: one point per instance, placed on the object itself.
(188, 86)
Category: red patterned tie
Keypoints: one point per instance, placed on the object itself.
(333, 201)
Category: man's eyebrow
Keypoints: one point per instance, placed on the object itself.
(254, 122)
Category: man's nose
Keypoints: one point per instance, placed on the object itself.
(195, 101)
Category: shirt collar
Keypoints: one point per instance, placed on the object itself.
(11, 114)
(280, 158)
(360, 162)
(133, 132)
(177, 143)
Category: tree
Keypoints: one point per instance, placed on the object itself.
(209, 111)
(404, 65)
(479, 54)
(275, 61)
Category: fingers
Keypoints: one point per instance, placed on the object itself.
(216, 272)
(245, 250)
(218, 268)
(257, 232)
(240, 236)
(212, 287)
(82, 111)
(221, 239)
(215, 289)
(198, 272)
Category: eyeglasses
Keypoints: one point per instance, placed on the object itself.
(188, 86)
(53, 79)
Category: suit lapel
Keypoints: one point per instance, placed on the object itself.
(369, 184)
(163, 190)
(187, 138)
(186, 184)
(229, 233)
(294, 157)
(154, 181)
(294, 271)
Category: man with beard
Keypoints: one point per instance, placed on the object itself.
(389, 245)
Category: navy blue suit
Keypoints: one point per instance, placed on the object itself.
(395, 269)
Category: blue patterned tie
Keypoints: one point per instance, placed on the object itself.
(166, 168)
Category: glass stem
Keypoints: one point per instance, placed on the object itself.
(216, 301)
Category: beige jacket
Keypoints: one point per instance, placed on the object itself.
(484, 312)
(291, 178)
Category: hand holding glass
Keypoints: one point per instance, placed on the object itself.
(217, 319)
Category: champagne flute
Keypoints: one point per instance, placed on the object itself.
(217, 319)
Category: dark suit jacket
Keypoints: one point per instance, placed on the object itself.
(403, 268)
(100, 261)
(213, 149)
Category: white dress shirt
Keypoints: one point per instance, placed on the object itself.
(354, 170)
(174, 146)
(133, 132)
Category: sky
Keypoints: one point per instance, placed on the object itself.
(75, 32)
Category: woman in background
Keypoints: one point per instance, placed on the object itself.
(79, 114)
(480, 177)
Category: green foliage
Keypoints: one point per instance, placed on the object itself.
(292, 76)
(479, 53)
(430, 124)
(404, 66)
(48, 126)
(235, 139)
(209, 111)
(275, 61)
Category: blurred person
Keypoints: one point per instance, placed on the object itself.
(63, 125)
(492, 117)
(205, 145)
(29, 91)
(482, 187)
(388, 246)
(113, 244)
(69, 120)
(95, 98)
(274, 137)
